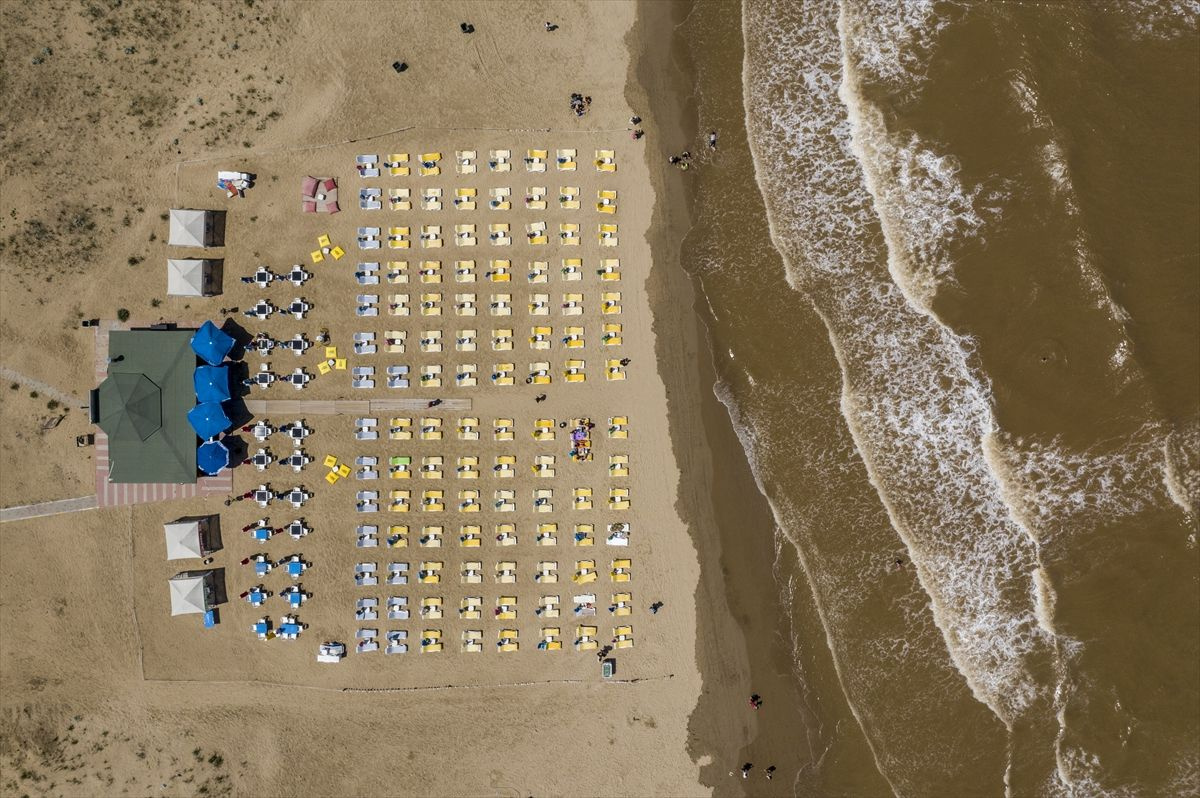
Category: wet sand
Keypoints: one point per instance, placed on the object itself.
(745, 624)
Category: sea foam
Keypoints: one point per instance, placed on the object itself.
(917, 409)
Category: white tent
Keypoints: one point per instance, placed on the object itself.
(191, 277)
(184, 539)
(190, 228)
(190, 592)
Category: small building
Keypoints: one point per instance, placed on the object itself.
(143, 404)
(195, 228)
(193, 277)
(190, 538)
(192, 592)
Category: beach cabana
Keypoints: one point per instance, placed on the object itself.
(187, 538)
(212, 456)
(193, 228)
(208, 419)
(193, 277)
(211, 383)
(211, 344)
(191, 592)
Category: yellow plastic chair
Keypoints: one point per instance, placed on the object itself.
(323, 367)
(323, 241)
(330, 352)
(340, 364)
(332, 477)
(337, 253)
(316, 255)
(330, 461)
(343, 471)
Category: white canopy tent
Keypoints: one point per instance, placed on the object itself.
(191, 228)
(191, 277)
(185, 539)
(190, 592)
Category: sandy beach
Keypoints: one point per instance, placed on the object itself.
(105, 693)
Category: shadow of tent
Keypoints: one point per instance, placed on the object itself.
(213, 535)
(239, 372)
(217, 234)
(239, 416)
(238, 449)
(241, 338)
(220, 594)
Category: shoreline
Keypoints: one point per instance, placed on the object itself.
(744, 635)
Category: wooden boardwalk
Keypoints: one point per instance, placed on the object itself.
(339, 407)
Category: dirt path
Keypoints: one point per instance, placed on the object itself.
(42, 388)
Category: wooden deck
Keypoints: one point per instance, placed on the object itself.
(336, 407)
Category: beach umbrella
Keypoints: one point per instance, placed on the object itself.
(212, 456)
(212, 383)
(208, 419)
(211, 344)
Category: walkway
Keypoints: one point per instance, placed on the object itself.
(49, 391)
(48, 508)
(336, 407)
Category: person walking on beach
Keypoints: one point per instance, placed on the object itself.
(746, 769)
(770, 772)
(541, 397)
(712, 139)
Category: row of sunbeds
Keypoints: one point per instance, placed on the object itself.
(431, 428)
(466, 162)
(469, 500)
(500, 270)
(466, 304)
(508, 640)
(398, 536)
(370, 198)
(466, 235)
(541, 337)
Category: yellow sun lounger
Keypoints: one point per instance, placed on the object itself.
(431, 640)
(397, 164)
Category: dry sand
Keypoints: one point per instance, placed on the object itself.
(105, 694)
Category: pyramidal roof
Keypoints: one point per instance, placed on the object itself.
(131, 406)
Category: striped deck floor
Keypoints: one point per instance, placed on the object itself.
(113, 494)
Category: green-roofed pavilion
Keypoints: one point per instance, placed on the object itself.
(143, 405)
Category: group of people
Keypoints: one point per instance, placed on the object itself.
(580, 104)
(684, 159)
(756, 702)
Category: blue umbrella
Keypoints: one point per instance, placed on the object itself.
(211, 457)
(211, 344)
(208, 419)
(212, 383)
